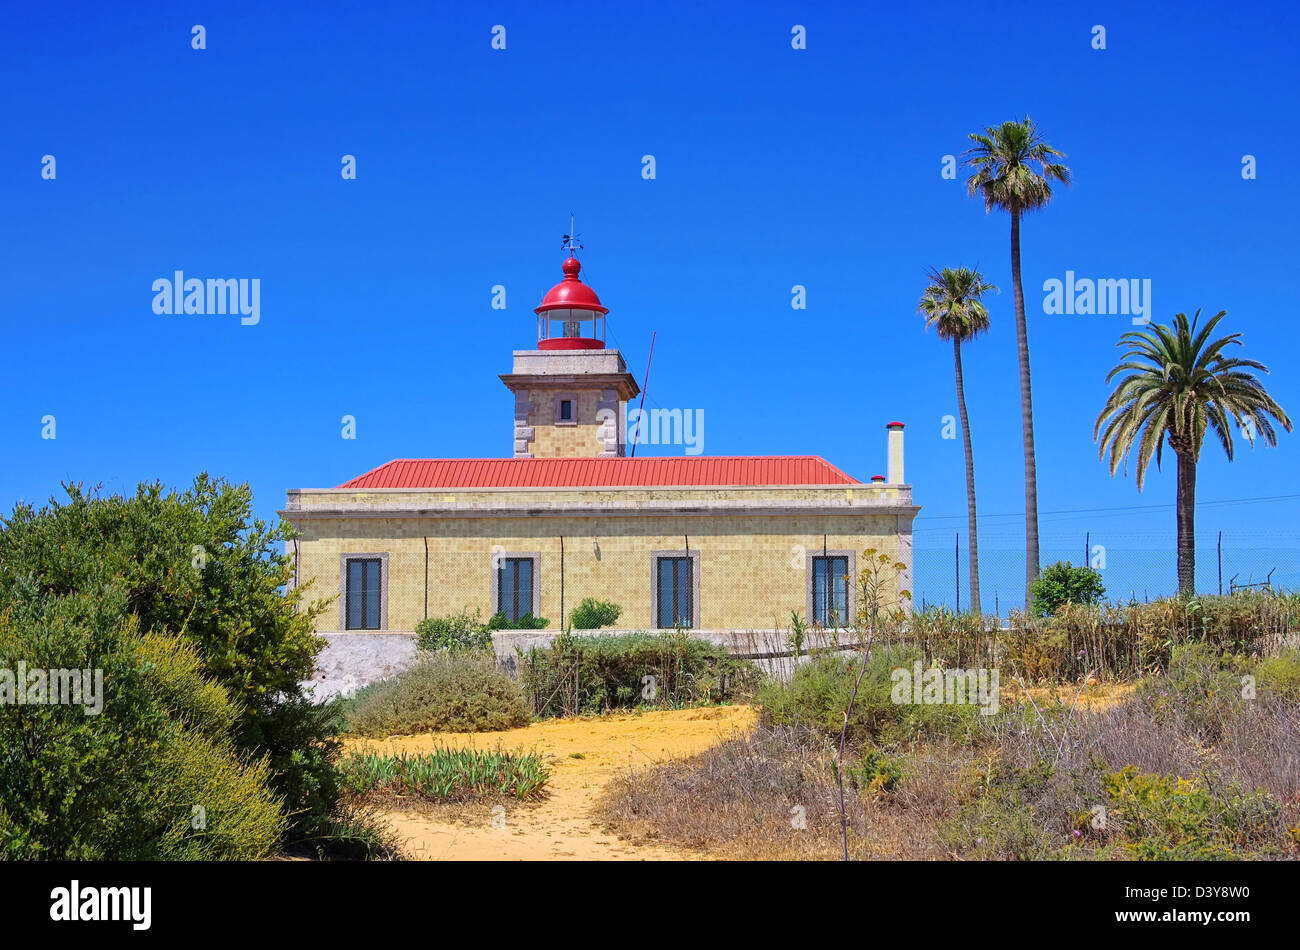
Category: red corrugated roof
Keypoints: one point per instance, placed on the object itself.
(603, 472)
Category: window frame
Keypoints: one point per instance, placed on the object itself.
(498, 564)
(560, 399)
(811, 571)
(655, 558)
(344, 559)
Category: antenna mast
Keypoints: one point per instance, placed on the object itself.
(644, 386)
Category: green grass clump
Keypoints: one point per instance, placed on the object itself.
(446, 775)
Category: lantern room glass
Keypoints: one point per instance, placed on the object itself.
(571, 324)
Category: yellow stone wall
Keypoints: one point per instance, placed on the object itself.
(558, 440)
(752, 568)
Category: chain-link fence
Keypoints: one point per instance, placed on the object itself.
(1131, 569)
(733, 581)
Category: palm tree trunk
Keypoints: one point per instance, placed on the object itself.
(1186, 504)
(1026, 413)
(970, 483)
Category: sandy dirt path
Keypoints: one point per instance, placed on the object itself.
(561, 827)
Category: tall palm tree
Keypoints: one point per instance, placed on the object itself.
(951, 304)
(1004, 158)
(1178, 384)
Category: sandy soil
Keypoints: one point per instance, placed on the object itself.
(561, 827)
(1095, 697)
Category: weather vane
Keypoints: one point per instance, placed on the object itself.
(570, 242)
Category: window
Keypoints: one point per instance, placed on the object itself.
(516, 585)
(566, 409)
(363, 595)
(830, 590)
(674, 592)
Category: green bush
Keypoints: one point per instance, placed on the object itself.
(1280, 674)
(876, 772)
(499, 621)
(592, 614)
(443, 693)
(154, 775)
(577, 675)
(453, 634)
(818, 695)
(301, 744)
(1155, 817)
(1062, 583)
(196, 564)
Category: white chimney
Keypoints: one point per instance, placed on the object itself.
(895, 458)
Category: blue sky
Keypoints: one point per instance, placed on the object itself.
(775, 167)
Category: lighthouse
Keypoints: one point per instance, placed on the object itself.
(678, 541)
(571, 391)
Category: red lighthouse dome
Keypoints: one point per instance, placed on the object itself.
(565, 312)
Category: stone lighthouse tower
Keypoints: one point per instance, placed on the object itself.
(571, 391)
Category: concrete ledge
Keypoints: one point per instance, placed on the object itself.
(350, 660)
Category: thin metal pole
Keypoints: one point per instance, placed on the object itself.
(1220, 563)
(645, 386)
(956, 559)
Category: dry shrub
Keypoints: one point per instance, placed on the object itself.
(747, 797)
(1133, 640)
(1113, 641)
(1235, 757)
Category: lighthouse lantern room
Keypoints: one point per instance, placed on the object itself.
(571, 316)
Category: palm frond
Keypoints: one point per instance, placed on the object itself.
(1173, 385)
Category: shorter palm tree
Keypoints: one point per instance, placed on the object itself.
(951, 304)
(1178, 385)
